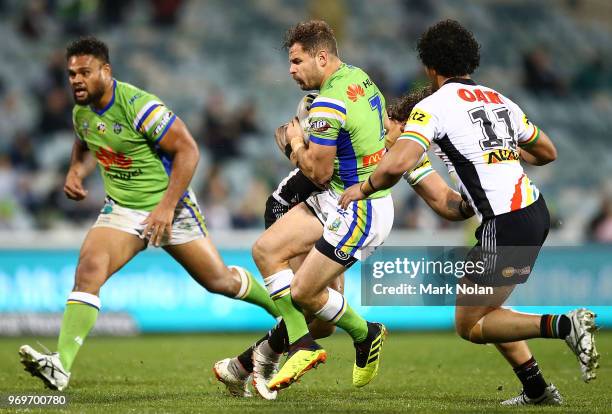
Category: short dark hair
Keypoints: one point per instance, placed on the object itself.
(89, 45)
(312, 35)
(399, 110)
(449, 48)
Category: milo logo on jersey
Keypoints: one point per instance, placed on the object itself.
(501, 155)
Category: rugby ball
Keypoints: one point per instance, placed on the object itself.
(302, 111)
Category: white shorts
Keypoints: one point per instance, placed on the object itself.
(356, 231)
(188, 223)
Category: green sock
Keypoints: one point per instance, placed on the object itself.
(355, 325)
(293, 317)
(79, 318)
(258, 295)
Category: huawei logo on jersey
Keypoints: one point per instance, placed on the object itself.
(354, 92)
(107, 157)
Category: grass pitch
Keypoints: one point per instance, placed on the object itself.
(420, 372)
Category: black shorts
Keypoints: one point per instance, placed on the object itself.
(509, 244)
(294, 189)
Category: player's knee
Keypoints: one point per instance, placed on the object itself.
(300, 294)
(91, 273)
(262, 252)
(470, 331)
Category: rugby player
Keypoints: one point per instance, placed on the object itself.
(262, 358)
(147, 157)
(480, 134)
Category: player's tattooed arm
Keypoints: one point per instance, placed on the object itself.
(82, 163)
(442, 199)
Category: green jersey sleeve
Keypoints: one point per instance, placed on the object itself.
(326, 118)
(150, 116)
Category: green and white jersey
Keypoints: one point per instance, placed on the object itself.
(124, 138)
(348, 114)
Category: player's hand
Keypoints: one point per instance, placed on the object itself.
(280, 136)
(73, 187)
(157, 224)
(353, 193)
(294, 131)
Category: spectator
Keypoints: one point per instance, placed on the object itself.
(540, 76)
(56, 114)
(600, 228)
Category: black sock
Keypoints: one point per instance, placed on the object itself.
(305, 342)
(531, 377)
(555, 326)
(279, 338)
(246, 358)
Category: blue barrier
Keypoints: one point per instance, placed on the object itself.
(161, 297)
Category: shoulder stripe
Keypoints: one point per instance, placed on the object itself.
(333, 105)
(322, 141)
(327, 113)
(143, 112)
(153, 117)
(415, 136)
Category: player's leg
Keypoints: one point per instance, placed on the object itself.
(104, 251)
(348, 236)
(194, 250)
(292, 235)
(202, 261)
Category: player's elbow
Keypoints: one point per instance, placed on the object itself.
(323, 175)
(397, 168)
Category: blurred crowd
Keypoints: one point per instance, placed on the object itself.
(231, 117)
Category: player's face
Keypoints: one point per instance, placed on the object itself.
(394, 130)
(88, 78)
(304, 68)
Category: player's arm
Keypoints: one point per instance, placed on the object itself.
(403, 156)
(442, 199)
(536, 147)
(82, 163)
(182, 148)
(316, 161)
(541, 152)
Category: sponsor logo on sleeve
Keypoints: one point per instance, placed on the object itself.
(526, 121)
(419, 117)
(320, 125)
(164, 121)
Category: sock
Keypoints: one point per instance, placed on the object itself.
(278, 286)
(251, 291)
(278, 338)
(337, 311)
(79, 317)
(555, 326)
(246, 358)
(531, 377)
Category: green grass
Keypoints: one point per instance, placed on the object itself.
(420, 372)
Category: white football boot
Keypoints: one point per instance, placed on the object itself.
(551, 396)
(581, 340)
(265, 367)
(236, 385)
(47, 367)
